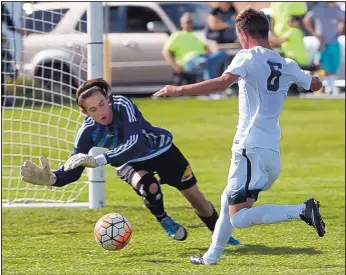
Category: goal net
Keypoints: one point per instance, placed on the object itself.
(39, 114)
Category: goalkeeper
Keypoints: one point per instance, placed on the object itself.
(137, 149)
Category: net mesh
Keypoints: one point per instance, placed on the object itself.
(39, 114)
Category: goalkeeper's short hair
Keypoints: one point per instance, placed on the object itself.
(88, 87)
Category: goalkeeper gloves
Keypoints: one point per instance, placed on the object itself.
(34, 174)
(84, 160)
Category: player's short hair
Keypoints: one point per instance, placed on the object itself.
(89, 87)
(254, 22)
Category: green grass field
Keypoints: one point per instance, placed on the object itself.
(60, 241)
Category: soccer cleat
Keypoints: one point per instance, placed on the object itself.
(173, 229)
(311, 215)
(198, 260)
(233, 241)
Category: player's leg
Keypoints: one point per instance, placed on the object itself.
(174, 169)
(330, 59)
(262, 171)
(236, 180)
(205, 210)
(223, 229)
(147, 186)
(335, 59)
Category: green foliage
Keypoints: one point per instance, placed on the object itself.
(60, 241)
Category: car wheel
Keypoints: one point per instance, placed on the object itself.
(57, 78)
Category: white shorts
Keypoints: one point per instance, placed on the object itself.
(251, 171)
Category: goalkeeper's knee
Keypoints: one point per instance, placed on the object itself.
(149, 189)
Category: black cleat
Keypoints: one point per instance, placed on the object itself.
(198, 260)
(311, 215)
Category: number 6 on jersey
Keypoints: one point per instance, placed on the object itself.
(274, 75)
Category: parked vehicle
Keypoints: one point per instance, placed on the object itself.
(137, 32)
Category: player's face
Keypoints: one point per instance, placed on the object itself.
(98, 107)
(243, 39)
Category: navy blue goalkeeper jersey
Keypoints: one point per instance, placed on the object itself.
(129, 138)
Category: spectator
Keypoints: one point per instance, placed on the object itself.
(185, 52)
(292, 42)
(281, 11)
(221, 23)
(329, 22)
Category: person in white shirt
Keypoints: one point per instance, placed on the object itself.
(264, 78)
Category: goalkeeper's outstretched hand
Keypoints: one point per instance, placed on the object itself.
(80, 160)
(34, 174)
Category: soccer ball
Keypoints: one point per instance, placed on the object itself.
(113, 231)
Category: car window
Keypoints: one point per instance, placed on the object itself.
(199, 13)
(115, 22)
(42, 20)
(138, 17)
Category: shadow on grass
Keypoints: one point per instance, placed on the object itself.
(253, 249)
(159, 261)
(181, 209)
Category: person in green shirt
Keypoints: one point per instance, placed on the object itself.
(292, 42)
(185, 52)
(280, 13)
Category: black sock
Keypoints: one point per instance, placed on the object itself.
(161, 217)
(156, 209)
(211, 220)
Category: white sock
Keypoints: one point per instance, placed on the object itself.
(334, 89)
(222, 232)
(331, 88)
(266, 214)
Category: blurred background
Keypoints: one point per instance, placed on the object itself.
(44, 44)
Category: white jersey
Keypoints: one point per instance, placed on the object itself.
(264, 79)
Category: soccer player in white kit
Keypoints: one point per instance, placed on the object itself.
(263, 77)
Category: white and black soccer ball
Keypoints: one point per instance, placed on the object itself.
(113, 231)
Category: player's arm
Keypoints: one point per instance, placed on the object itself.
(65, 176)
(277, 41)
(308, 23)
(132, 141)
(42, 175)
(341, 24)
(202, 88)
(216, 24)
(341, 27)
(238, 68)
(130, 145)
(316, 83)
(306, 79)
(82, 145)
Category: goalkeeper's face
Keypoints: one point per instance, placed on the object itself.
(98, 107)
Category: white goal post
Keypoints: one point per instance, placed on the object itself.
(39, 115)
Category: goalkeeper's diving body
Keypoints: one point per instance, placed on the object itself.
(137, 149)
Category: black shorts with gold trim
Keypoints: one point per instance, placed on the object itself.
(171, 166)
